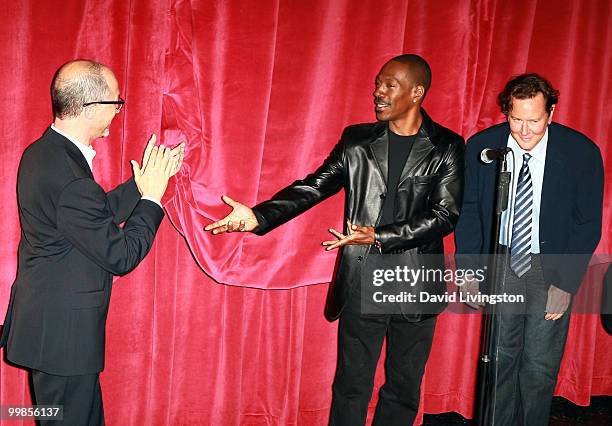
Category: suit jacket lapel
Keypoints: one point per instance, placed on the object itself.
(421, 149)
(553, 167)
(78, 157)
(380, 150)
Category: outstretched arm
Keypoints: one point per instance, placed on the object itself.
(288, 202)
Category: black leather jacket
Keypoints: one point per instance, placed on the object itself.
(427, 202)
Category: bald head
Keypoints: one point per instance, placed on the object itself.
(417, 68)
(76, 83)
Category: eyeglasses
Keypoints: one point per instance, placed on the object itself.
(119, 103)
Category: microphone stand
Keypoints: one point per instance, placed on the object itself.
(486, 386)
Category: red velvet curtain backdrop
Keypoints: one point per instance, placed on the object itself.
(261, 91)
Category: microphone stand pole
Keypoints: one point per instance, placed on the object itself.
(486, 386)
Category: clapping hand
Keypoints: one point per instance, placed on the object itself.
(159, 164)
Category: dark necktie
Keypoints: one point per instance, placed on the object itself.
(520, 258)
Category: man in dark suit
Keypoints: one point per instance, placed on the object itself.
(72, 243)
(403, 179)
(550, 231)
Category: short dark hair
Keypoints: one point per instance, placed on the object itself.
(419, 69)
(69, 94)
(527, 86)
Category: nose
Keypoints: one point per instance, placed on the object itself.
(377, 91)
(524, 128)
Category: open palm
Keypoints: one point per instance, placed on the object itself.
(241, 219)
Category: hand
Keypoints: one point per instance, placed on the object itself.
(178, 153)
(363, 235)
(557, 303)
(241, 219)
(158, 165)
(471, 288)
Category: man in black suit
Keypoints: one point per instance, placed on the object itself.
(72, 243)
(403, 179)
(550, 231)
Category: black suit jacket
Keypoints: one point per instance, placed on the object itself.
(427, 202)
(570, 209)
(71, 245)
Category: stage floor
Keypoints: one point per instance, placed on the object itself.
(563, 413)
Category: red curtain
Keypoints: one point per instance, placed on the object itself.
(261, 90)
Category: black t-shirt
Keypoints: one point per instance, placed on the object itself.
(399, 149)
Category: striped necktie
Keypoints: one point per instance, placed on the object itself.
(520, 253)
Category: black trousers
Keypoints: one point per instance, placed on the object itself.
(360, 339)
(80, 396)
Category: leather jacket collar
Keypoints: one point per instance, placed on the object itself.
(423, 145)
(426, 131)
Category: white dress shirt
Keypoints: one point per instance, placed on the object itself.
(536, 168)
(88, 152)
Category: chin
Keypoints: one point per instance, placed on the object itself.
(381, 116)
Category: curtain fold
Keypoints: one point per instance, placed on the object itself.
(229, 330)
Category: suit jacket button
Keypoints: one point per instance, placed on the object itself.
(382, 196)
(359, 258)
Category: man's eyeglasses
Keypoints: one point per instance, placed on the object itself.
(118, 104)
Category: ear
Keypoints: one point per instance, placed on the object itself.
(89, 112)
(418, 93)
(550, 115)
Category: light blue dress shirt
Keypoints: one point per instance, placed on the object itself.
(536, 168)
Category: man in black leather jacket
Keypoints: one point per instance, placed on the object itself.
(403, 178)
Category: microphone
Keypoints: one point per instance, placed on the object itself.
(488, 155)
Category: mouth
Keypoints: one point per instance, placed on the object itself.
(380, 106)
